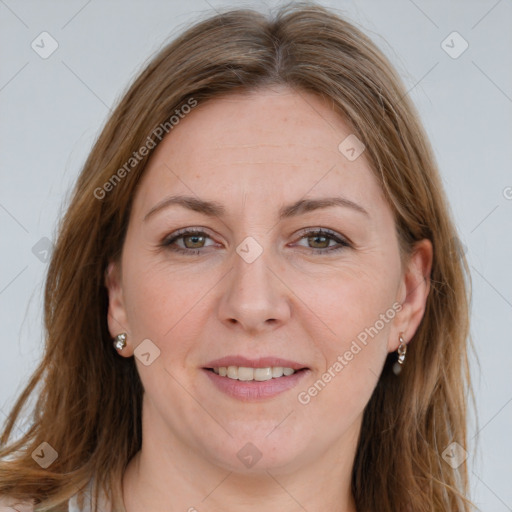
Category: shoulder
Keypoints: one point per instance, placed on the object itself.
(8, 504)
(84, 501)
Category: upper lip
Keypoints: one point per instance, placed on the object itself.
(261, 362)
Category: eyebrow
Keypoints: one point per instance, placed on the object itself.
(216, 209)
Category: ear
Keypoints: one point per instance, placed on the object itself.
(413, 292)
(116, 317)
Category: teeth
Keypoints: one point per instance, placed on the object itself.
(277, 371)
(259, 374)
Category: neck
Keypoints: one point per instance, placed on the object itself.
(170, 475)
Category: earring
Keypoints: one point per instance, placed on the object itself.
(402, 349)
(120, 341)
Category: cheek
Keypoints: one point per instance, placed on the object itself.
(163, 303)
(358, 309)
(352, 359)
(355, 298)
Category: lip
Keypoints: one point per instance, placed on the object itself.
(261, 362)
(250, 391)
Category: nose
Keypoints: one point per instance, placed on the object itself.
(255, 297)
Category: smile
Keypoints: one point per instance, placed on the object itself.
(247, 374)
(254, 384)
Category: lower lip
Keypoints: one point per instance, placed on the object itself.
(253, 390)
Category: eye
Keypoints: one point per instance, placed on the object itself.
(193, 240)
(321, 238)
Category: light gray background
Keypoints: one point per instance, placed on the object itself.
(52, 109)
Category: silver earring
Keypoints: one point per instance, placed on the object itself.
(402, 349)
(120, 341)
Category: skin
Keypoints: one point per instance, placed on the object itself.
(255, 153)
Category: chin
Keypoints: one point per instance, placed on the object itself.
(261, 452)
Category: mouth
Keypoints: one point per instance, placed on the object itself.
(248, 374)
(248, 384)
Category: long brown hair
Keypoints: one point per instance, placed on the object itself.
(89, 399)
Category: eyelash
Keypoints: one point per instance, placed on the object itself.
(167, 243)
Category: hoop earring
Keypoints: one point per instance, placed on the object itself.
(120, 341)
(402, 349)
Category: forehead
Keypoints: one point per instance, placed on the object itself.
(279, 119)
(274, 141)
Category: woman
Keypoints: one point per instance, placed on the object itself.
(261, 232)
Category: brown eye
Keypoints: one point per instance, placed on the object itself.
(187, 241)
(193, 241)
(319, 241)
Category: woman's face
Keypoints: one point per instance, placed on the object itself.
(259, 281)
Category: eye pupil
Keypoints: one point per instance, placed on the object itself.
(185, 238)
(317, 237)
